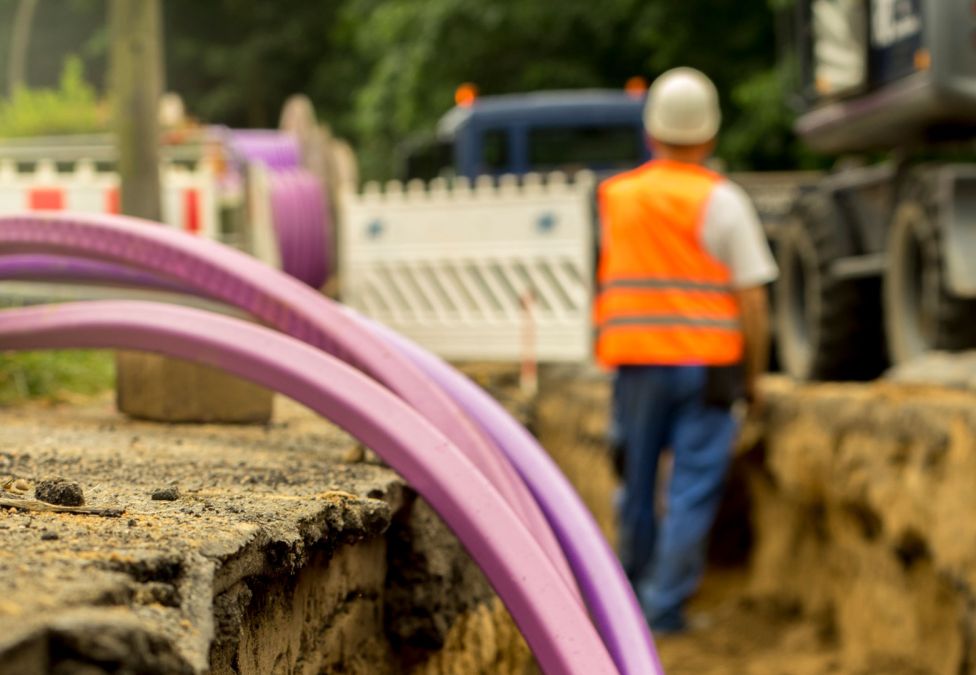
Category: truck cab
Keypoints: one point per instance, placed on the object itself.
(597, 130)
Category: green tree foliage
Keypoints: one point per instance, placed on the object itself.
(418, 51)
(71, 108)
(735, 43)
(380, 71)
(236, 61)
(761, 138)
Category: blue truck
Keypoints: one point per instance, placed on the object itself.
(598, 130)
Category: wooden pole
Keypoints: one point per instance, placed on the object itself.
(136, 83)
(19, 43)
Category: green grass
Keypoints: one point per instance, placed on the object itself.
(50, 374)
(72, 108)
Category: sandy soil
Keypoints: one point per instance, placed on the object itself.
(738, 631)
(737, 635)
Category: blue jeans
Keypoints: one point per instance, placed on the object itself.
(656, 408)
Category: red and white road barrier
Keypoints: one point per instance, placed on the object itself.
(189, 196)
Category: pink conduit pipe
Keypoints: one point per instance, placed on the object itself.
(605, 588)
(552, 620)
(58, 268)
(222, 273)
(602, 581)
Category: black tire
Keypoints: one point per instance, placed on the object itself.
(825, 328)
(921, 314)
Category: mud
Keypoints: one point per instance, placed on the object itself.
(288, 549)
(444, 618)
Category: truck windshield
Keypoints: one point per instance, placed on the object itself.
(428, 160)
(571, 148)
(494, 151)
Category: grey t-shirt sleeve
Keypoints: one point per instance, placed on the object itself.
(732, 233)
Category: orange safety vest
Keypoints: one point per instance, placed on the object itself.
(663, 299)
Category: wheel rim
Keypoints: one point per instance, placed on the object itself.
(799, 304)
(915, 296)
(921, 292)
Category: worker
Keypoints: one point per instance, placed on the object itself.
(682, 315)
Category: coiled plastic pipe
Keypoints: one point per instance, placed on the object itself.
(275, 149)
(553, 622)
(602, 582)
(302, 225)
(302, 220)
(227, 275)
(604, 586)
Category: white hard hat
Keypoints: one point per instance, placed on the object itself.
(682, 108)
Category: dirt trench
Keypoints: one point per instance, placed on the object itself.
(847, 541)
(863, 511)
(845, 545)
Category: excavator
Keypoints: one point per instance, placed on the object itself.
(878, 258)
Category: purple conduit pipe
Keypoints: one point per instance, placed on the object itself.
(229, 276)
(613, 605)
(300, 216)
(318, 227)
(602, 581)
(284, 222)
(606, 590)
(275, 149)
(57, 268)
(553, 622)
(301, 223)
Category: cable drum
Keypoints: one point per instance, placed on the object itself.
(303, 225)
(321, 231)
(288, 239)
(274, 149)
(299, 210)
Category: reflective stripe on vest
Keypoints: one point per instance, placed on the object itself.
(663, 298)
(671, 320)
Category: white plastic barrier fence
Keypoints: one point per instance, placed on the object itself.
(469, 271)
(189, 196)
